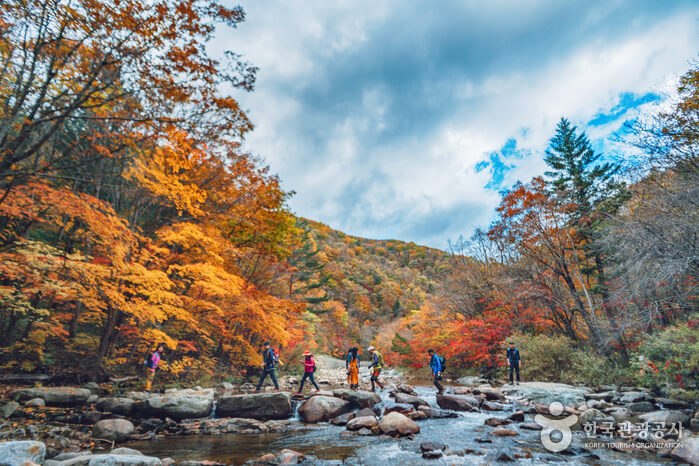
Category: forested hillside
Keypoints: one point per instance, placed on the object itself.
(356, 288)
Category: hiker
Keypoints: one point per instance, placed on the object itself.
(352, 366)
(269, 366)
(309, 367)
(377, 365)
(513, 361)
(436, 366)
(151, 363)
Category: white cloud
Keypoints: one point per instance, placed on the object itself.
(394, 154)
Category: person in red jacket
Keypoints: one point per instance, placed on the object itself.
(309, 367)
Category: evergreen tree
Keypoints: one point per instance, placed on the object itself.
(575, 172)
(578, 175)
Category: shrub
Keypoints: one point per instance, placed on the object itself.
(544, 357)
(556, 358)
(670, 358)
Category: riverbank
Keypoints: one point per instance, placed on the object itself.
(231, 425)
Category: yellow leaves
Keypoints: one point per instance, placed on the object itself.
(167, 172)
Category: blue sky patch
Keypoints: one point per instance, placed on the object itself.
(627, 101)
(501, 162)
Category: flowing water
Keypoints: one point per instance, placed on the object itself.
(335, 445)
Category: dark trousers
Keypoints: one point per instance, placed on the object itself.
(435, 380)
(308, 375)
(272, 375)
(514, 366)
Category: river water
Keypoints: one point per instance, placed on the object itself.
(331, 444)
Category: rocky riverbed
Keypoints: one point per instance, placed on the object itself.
(474, 422)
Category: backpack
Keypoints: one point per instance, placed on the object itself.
(275, 356)
(443, 362)
(147, 360)
(380, 359)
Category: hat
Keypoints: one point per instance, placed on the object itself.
(371, 348)
(306, 353)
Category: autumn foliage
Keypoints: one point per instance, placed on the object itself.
(128, 214)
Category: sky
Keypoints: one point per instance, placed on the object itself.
(405, 120)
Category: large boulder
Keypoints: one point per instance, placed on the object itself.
(123, 460)
(368, 422)
(116, 405)
(255, 406)
(458, 402)
(667, 417)
(113, 429)
(409, 399)
(181, 404)
(20, 452)
(546, 393)
(323, 408)
(397, 424)
(359, 399)
(58, 396)
(689, 451)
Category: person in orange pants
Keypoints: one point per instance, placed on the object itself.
(352, 365)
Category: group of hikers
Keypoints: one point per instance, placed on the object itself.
(270, 358)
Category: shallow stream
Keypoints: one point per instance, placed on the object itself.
(331, 444)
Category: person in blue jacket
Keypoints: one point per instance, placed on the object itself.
(513, 361)
(436, 366)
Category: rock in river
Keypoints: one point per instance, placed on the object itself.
(359, 399)
(323, 408)
(409, 399)
(181, 404)
(113, 429)
(357, 423)
(54, 395)
(398, 424)
(255, 406)
(16, 453)
(116, 405)
(458, 402)
(433, 413)
(689, 451)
